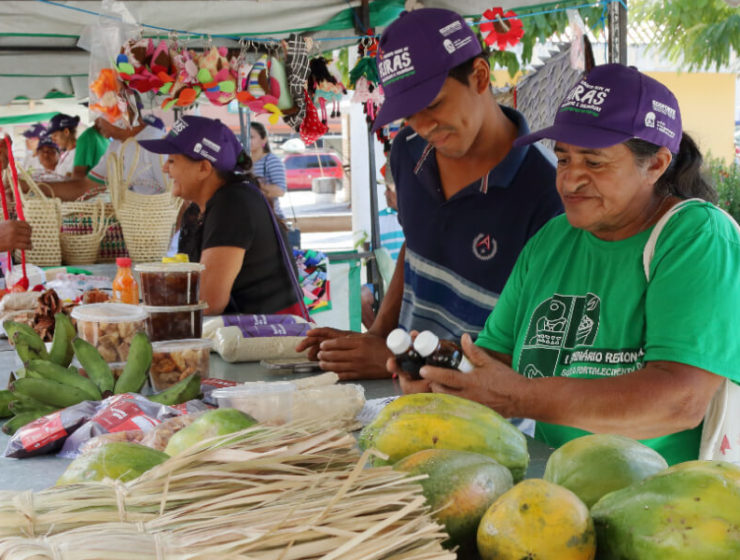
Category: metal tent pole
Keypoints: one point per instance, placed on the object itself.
(373, 269)
(244, 126)
(617, 25)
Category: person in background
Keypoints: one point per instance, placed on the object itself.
(47, 153)
(32, 135)
(268, 168)
(589, 335)
(14, 234)
(148, 177)
(468, 199)
(234, 234)
(62, 130)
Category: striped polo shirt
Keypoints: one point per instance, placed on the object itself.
(459, 252)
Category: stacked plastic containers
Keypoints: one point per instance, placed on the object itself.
(171, 300)
(170, 294)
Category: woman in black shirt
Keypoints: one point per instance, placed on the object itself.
(229, 227)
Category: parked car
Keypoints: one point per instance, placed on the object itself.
(301, 169)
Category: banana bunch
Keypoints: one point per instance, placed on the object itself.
(48, 383)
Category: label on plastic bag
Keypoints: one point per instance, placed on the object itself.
(296, 329)
(247, 320)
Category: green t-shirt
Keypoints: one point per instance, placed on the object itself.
(578, 306)
(91, 146)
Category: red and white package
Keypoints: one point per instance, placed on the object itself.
(118, 413)
(48, 433)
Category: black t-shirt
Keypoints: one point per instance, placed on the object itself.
(238, 215)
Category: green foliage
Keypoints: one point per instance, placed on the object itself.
(726, 180)
(541, 27)
(698, 34)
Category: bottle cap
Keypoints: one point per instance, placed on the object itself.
(398, 341)
(123, 261)
(426, 343)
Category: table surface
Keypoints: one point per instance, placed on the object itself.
(37, 473)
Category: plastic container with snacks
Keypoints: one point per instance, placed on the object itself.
(110, 327)
(174, 322)
(265, 402)
(174, 360)
(170, 283)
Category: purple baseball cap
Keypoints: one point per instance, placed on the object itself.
(199, 138)
(36, 131)
(612, 104)
(47, 141)
(415, 54)
(60, 121)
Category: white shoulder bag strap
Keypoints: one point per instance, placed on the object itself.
(720, 434)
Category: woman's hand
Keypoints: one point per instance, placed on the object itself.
(491, 382)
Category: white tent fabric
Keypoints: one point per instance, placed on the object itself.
(38, 39)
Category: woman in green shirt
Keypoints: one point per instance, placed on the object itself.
(580, 340)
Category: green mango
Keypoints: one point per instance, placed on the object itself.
(117, 460)
(209, 424)
(594, 465)
(690, 511)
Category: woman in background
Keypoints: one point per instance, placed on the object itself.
(268, 168)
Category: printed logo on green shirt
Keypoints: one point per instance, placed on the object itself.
(560, 339)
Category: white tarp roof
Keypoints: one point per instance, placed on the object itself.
(38, 39)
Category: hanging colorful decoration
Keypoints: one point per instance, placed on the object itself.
(365, 80)
(501, 28)
(324, 87)
(106, 89)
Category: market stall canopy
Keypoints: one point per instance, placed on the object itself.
(38, 39)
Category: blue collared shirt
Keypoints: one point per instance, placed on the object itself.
(460, 251)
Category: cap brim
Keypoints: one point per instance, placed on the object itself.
(161, 146)
(409, 101)
(577, 135)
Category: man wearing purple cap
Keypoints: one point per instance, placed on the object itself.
(467, 200)
(619, 317)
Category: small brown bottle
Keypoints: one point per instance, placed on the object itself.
(399, 342)
(441, 353)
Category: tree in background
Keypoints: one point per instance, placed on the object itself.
(694, 34)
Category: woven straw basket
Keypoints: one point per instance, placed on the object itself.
(147, 220)
(42, 213)
(83, 248)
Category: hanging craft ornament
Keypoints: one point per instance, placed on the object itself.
(365, 80)
(262, 91)
(312, 128)
(501, 29)
(106, 90)
(324, 87)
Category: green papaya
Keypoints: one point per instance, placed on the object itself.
(120, 460)
(596, 464)
(209, 424)
(440, 421)
(689, 511)
(460, 487)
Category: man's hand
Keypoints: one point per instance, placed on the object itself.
(491, 382)
(349, 354)
(15, 235)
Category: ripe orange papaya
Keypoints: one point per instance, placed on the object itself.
(594, 465)
(439, 421)
(537, 519)
(460, 487)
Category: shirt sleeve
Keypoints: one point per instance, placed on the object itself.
(99, 173)
(693, 295)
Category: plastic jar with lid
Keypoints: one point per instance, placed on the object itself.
(170, 283)
(110, 327)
